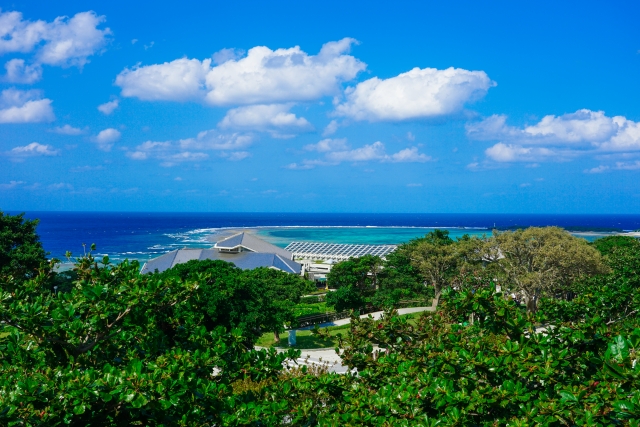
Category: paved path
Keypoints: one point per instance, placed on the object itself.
(328, 356)
(376, 315)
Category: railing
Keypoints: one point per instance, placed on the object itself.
(316, 319)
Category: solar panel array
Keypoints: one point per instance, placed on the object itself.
(336, 251)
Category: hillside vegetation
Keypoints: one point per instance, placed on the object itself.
(106, 346)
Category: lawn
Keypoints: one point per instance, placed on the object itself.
(303, 309)
(304, 339)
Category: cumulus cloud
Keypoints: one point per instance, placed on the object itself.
(516, 153)
(598, 169)
(179, 80)
(628, 165)
(171, 153)
(87, 168)
(376, 151)
(336, 151)
(34, 149)
(108, 107)
(584, 131)
(63, 42)
(67, 130)
(416, 94)
(106, 138)
(263, 76)
(327, 145)
(236, 156)
(18, 106)
(11, 185)
(274, 118)
(214, 140)
(20, 72)
(331, 128)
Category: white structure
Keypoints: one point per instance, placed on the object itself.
(334, 251)
(318, 258)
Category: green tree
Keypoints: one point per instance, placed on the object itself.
(608, 244)
(21, 253)
(612, 296)
(120, 349)
(279, 293)
(356, 280)
(439, 258)
(535, 261)
(253, 301)
(400, 279)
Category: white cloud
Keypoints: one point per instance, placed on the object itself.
(34, 149)
(328, 145)
(273, 118)
(582, 132)
(67, 130)
(63, 42)
(108, 107)
(214, 140)
(414, 184)
(331, 128)
(179, 80)
(106, 138)
(373, 151)
(416, 94)
(87, 168)
(628, 165)
(11, 185)
(19, 72)
(411, 136)
(193, 149)
(264, 76)
(307, 164)
(525, 185)
(516, 153)
(336, 152)
(18, 106)
(409, 155)
(598, 169)
(236, 156)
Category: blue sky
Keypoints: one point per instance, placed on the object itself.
(324, 106)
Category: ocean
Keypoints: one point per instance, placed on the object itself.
(141, 236)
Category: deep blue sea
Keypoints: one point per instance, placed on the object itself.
(146, 235)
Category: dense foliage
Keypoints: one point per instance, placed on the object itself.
(21, 252)
(118, 348)
(253, 301)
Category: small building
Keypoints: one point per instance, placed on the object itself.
(244, 250)
(317, 259)
(335, 251)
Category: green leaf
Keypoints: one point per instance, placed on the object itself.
(566, 396)
(139, 401)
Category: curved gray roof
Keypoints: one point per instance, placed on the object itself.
(251, 243)
(243, 260)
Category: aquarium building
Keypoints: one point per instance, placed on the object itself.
(244, 250)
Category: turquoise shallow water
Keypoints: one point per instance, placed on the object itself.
(282, 236)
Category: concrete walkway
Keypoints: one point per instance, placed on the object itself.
(376, 316)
